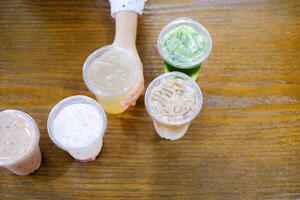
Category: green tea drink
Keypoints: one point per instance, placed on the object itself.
(173, 100)
(111, 73)
(184, 44)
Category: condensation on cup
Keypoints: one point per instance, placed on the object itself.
(77, 124)
(19, 142)
(173, 100)
(110, 73)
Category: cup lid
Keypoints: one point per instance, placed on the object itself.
(173, 98)
(117, 66)
(195, 31)
(24, 123)
(69, 101)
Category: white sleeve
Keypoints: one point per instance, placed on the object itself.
(128, 5)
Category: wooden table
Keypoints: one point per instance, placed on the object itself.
(244, 145)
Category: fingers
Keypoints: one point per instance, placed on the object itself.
(133, 95)
(136, 91)
(134, 98)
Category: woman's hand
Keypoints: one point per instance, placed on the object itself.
(137, 90)
(125, 36)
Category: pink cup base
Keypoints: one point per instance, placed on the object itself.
(86, 160)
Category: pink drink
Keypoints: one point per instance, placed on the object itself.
(19, 138)
(173, 100)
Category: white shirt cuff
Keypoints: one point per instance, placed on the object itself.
(127, 5)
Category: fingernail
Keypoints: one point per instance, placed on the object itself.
(125, 107)
(124, 104)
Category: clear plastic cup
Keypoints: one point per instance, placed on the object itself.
(173, 100)
(19, 142)
(82, 151)
(176, 62)
(111, 78)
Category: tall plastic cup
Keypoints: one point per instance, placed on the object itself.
(110, 73)
(173, 100)
(184, 44)
(19, 142)
(77, 124)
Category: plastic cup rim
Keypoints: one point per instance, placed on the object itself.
(198, 93)
(91, 87)
(33, 146)
(184, 20)
(65, 102)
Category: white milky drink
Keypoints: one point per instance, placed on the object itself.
(77, 125)
(19, 142)
(110, 73)
(173, 100)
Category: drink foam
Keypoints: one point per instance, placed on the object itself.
(77, 125)
(17, 135)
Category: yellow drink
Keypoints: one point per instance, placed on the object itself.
(111, 105)
(110, 73)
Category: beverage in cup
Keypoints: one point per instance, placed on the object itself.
(184, 44)
(173, 100)
(19, 142)
(110, 73)
(77, 124)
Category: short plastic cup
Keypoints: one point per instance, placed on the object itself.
(29, 160)
(191, 66)
(177, 128)
(86, 152)
(110, 98)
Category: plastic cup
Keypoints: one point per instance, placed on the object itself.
(119, 82)
(83, 152)
(189, 66)
(173, 127)
(19, 140)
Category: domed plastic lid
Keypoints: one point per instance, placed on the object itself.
(184, 43)
(19, 136)
(76, 122)
(110, 71)
(173, 98)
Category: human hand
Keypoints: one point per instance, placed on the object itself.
(125, 37)
(138, 88)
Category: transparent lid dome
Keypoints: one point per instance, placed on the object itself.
(73, 116)
(184, 43)
(173, 98)
(19, 136)
(110, 70)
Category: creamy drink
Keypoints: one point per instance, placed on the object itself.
(19, 138)
(110, 73)
(173, 100)
(77, 124)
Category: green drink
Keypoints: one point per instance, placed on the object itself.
(184, 44)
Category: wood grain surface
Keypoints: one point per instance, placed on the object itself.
(244, 145)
